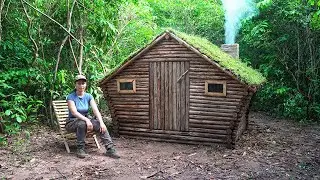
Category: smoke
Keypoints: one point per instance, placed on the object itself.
(235, 11)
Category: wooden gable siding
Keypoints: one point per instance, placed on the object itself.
(130, 109)
(210, 119)
(214, 114)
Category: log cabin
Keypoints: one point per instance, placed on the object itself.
(181, 88)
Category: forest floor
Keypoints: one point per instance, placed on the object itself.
(271, 149)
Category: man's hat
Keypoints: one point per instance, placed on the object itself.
(80, 77)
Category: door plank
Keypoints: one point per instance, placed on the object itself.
(174, 95)
(158, 95)
(187, 97)
(178, 75)
(155, 99)
(170, 116)
(166, 95)
(151, 100)
(162, 95)
(183, 98)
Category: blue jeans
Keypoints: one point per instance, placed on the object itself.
(80, 128)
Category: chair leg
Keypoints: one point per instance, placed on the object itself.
(66, 145)
(96, 140)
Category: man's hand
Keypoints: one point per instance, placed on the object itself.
(89, 125)
(103, 127)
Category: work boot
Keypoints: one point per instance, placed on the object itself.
(81, 153)
(111, 152)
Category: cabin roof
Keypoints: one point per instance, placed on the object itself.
(204, 48)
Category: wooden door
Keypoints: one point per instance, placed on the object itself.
(169, 95)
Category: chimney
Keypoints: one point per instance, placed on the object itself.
(231, 49)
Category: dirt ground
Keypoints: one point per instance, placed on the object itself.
(270, 149)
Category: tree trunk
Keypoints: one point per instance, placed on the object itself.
(1, 7)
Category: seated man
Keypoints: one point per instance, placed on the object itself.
(79, 122)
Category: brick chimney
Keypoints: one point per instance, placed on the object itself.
(231, 49)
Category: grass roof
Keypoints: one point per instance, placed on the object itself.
(240, 69)
(244, 72)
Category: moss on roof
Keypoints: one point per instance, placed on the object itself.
(240, 69)
(244, 72)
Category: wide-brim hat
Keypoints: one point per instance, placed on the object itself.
(80, 77)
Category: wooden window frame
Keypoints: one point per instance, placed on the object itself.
(126, 80)
(224, 83)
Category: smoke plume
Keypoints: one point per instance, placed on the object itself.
(235, 11)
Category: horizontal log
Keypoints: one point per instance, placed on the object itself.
(170, 136)
(214, 102)
(201, 91)
(212, 118)
(175, 55)
(209, 68)
(229, 94)
(132, 117)
(123, 126)
(171, 140)
(129, 95)
(137, 64)
(165, 132)
(210, 77)
(208, 126)
(132, 113)
(214, 98)
(142, 73)
(129, 106)
(113, 99)
(169, 41)
(169, 49)
(131, 109)
(129, 76)
(168, 46)
(202, 62)
(216, 106)
(132, 121)
(213, 110)
(165, 59)
(138, 79)
(210, 74)
(155, 52)
(113, 93)
(212, 122)
(143, 79)
(144, 68)
(213, 131)
(130, 102)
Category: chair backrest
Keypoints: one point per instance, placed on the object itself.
(61, 110)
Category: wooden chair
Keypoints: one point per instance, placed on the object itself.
(61, 111)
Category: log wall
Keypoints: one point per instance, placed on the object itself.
(211, 119)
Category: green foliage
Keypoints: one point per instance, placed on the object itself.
(204, 18)
(17, 108)
(283, 42)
